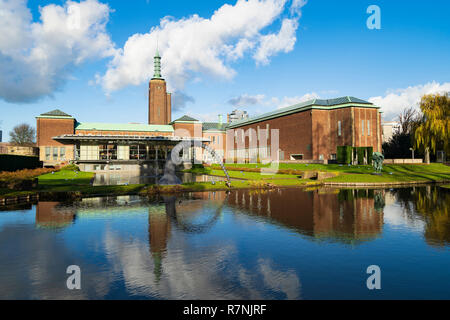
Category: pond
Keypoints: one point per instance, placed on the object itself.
(121, 178)
(277, 244)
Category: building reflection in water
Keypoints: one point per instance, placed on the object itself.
(54, 215)
(345, 215)
(178, 212)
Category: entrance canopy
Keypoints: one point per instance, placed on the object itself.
(125, 139)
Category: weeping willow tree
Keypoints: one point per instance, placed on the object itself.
(433, 131)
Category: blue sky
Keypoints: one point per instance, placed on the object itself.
(320, 49)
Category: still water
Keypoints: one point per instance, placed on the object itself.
(278, 244)
(121, 178)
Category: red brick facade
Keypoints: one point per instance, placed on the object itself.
(159, 103)
(314, 134)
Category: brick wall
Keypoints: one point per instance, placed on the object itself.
(315, 134)
(158, 108)
(47, 129)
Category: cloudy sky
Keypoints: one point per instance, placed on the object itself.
(93, 58)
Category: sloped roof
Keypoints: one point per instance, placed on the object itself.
(123, 127)
(214, 126)
(55, 114)
(185, 118)
(311, 104)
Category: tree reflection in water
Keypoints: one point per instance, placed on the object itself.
(432, 204)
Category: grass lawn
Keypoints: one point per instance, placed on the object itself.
(73, 182)
(253, 175)
(353, 174)
(65, 178)
(12, 193)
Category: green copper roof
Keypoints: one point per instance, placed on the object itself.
(342, 102)
(157, 65)
(124, 127)
(214, 126)
(55, 114)
(186, 118)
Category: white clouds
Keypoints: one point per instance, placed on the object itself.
(196, 45)
(290, 101)
(393, 103)
(246, 100)
(36, 57)
(271, 44)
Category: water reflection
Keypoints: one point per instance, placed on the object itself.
(346, 215)
(432, 204)
(224, 245)
(124, 178)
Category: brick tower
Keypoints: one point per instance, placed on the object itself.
(159, 101)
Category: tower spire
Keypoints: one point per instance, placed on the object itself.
(157, 65)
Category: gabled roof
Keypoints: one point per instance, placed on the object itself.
(186, 118)
(55, 114)
(131, 127)
(342, 102)
(214, 126)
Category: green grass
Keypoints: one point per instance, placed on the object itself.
(79, 183)
(65, 178)
(400, 173)
(4, 193)
(253, 175)
(353, 174)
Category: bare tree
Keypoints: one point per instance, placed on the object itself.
(22, 135)
(407, 119)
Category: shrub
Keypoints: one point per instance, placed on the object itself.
(24, 174)
(344, 154)
(360, 151)
(71, 167)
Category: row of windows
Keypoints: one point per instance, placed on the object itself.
(362, 127)
(55, 153)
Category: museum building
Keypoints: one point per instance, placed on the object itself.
(309, 131)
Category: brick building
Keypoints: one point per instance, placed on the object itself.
(311, 130)
(307, 131)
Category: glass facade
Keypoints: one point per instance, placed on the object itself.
(132, 152)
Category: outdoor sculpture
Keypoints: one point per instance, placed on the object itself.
(378, 159)
(169, 177)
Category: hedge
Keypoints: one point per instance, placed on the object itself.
(9, 162)
(345, 154)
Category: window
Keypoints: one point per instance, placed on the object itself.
(333, 156)
(62, 153)
(55, 153)
(213, 139)
(47, 153)
(362, 127)
(339, 128)
(368, 127)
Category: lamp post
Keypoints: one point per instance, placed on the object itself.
(412, 150)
